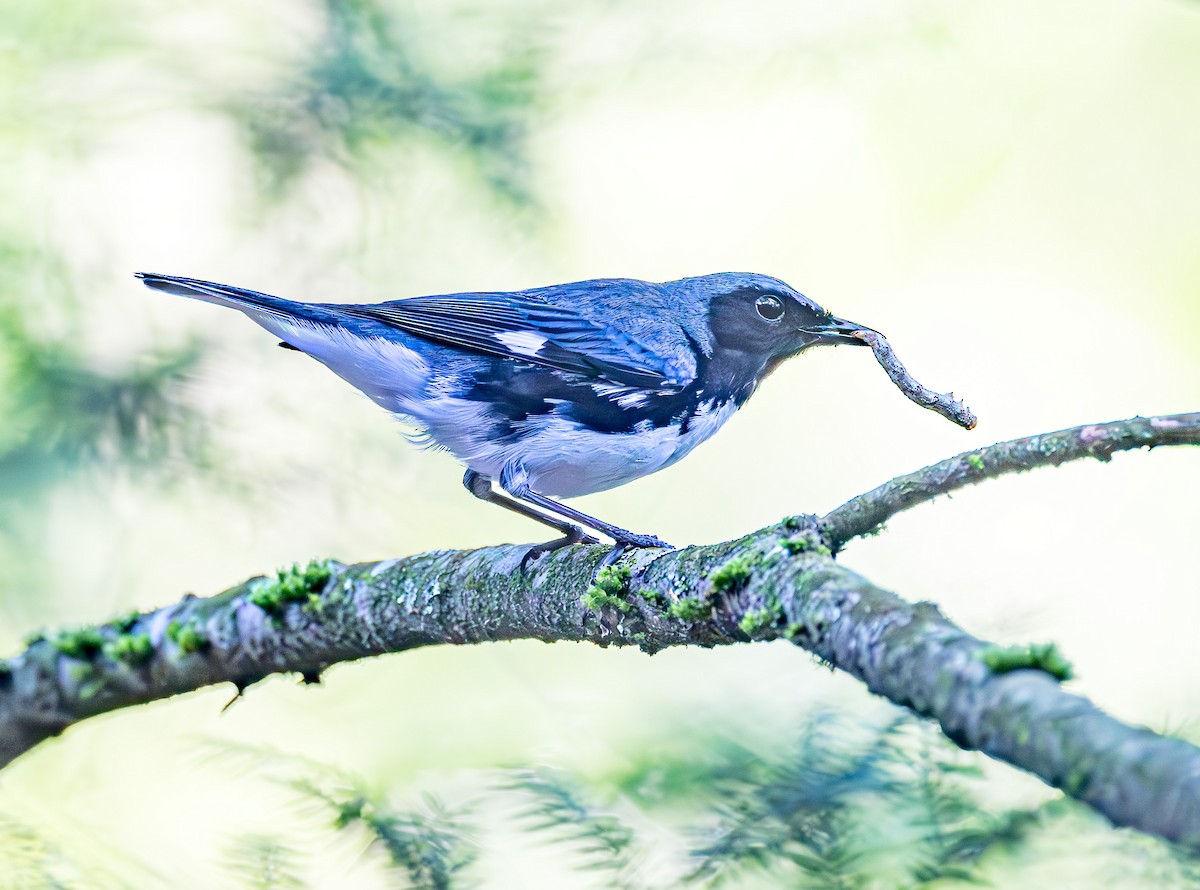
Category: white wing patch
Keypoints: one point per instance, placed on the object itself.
(623, 396)
(523, 342)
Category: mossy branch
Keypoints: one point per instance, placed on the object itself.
(778, 583)
(864, 514)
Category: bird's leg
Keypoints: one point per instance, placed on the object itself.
(514, 480)
(481, 486)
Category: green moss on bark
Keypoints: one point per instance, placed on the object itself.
(1036, 656)
(84, 643)
(132, 648)
(756, 620)
(292, 585)
(611, 588)
(691, 610)
(188, 637)
(732, 574)
(804, 544)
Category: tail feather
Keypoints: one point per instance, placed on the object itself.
(222, 294)
(390, 370)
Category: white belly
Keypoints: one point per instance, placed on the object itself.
(562, 458)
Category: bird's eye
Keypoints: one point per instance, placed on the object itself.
(770, 308)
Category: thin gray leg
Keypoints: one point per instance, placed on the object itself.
(481, 486)
(514, 481)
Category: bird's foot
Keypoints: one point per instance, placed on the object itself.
(626, 541)
(632, 541)
(572, 534)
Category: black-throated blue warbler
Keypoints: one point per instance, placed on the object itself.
(556, 391)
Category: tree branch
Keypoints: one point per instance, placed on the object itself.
(778, 583)
(865, 513)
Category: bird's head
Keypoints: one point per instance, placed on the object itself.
(762, 321)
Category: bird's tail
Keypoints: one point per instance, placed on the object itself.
(249, 301)
(388, 369)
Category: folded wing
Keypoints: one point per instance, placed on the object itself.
(552, 336)
(648, 351)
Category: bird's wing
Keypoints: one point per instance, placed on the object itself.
(516, 327)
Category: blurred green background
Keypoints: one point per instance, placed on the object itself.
(1011, 191)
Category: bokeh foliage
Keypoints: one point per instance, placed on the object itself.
(65, 415)
(833, 807)
(373, 79)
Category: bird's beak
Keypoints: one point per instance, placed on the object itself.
(837, 330)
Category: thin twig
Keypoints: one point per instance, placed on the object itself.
(865, 513)
(943, 403)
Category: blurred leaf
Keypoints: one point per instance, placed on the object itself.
(684, 769)
(429, 845)
(798, 810)
(366, 85)
(559, 810)
(262, 862)
(29, 861)
(62, 414)
(846, 810)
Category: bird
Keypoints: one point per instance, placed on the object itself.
(554, 392)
